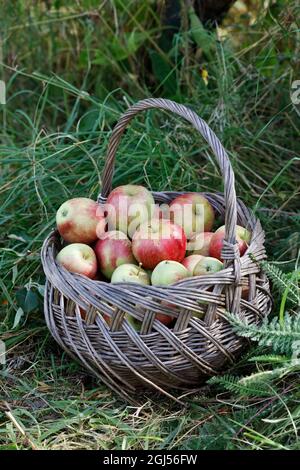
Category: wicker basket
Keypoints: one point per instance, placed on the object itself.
(159, 357)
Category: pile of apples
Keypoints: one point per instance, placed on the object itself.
(132, 239)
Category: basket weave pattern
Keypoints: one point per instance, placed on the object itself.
(159, 357)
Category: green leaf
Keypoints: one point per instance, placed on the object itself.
(270, 359)
(135, 40)
(164, 73)
(88, 120)
(27, 300)
(204, 39)
(237, 386)
(14, 273)
(285, 283)
(8, 447)
(283, 337)
(18, 316)
(120, 47)
(31, 301)
(41, 289)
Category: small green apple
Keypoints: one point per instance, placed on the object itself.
(168, 272)
(207, 265)
(130, 273)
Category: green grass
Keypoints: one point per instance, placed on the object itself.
(56, 126)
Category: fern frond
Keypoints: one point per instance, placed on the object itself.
(283, 281)
(270, 359)
(282, 336)
(263, 376)
(236, 386)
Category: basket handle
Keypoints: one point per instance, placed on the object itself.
(230, 250)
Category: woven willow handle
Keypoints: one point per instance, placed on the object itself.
(209, 136)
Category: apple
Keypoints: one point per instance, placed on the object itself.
(165, 319)
(193, 213)
(158, 240)
(190, 262)
(243, 237)
(127, 207)
(207, 265)
(198, 243)
(167, 272)
(112, 250)
(78, 258)
(130, 273)
(242, 232)
(80, 220)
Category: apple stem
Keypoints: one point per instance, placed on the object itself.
(140, 267)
